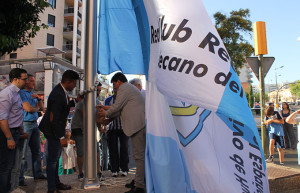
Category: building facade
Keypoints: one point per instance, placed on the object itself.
(245, 77)
(53, 50)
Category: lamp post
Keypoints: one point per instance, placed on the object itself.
(276, 84)
(16, 65)
(48, 65)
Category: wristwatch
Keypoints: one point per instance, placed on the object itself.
(10, 138)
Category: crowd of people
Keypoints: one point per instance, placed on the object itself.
(280, 130)
(119, 118)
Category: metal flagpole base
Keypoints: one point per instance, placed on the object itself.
(90, 183)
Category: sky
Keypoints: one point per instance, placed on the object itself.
(282, 27)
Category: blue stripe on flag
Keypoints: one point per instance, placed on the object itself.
(165, 162)
(186, 140)
(119, 39)
(241, 114)
(143, 27)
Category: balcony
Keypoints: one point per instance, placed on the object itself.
(68, 48)
(69, 15)
(71, 3)
(68, 33)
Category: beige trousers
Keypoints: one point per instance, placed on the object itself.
(138, 141)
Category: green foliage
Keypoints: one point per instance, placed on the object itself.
(257, 97)
(19, 22)
(251, 97)
(295, 89)
(232, 30)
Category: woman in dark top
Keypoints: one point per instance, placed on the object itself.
(289, 135)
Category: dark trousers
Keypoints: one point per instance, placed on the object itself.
(7, 160)
(34, 143)
(102, 145)
(289, 136)
(118, 160)
(54, 152)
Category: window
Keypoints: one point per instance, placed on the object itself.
(13, 56)
(50, 40)
(51, 20)
(52, 3)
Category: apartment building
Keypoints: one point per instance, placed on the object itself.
(53, 50)
(245, 77)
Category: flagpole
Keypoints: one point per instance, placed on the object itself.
(90, 154)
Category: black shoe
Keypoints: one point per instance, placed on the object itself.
(130, 185)
(22, 183)
(80, 177)
(41, 177)
(62, 186)
(99, 175)
(136, 190)
(54, 191)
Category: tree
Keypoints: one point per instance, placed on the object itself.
(257, 97)
(19, 21)
(251, 97)
(231, 29)
(295, 89)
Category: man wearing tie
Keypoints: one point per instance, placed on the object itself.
(53, 126)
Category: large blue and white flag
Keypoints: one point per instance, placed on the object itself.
(120, 46)
(201, 136)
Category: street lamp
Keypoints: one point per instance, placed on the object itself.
(81, 76)
(48, 65)
(16, 65)
(276, 84)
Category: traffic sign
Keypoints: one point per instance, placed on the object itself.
(253, 62)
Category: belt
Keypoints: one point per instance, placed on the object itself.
(29, 121)
(15, 128)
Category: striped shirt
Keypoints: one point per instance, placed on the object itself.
(116, 123)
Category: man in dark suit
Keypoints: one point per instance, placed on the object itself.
(53, 126)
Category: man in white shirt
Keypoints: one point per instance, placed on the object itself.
(138, 84)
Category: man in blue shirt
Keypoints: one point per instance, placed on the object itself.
(11, 119)
(274, 122)
(31, 105)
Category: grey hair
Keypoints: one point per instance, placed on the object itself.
(135, 81)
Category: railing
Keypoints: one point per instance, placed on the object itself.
(69, 28)
(71, 10)
(69, 47)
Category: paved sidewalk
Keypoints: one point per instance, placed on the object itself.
(282, 179)
(109, 185)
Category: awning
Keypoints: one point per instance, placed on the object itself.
(50, 50)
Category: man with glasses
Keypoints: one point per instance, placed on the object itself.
(11, 120)
(32, 103)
